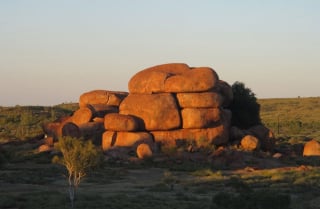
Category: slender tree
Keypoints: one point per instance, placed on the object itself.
(78, 157)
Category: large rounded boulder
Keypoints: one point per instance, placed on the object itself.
(195, 80)
(158, 111)
(173, 78)
(152, 80)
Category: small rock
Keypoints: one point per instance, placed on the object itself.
(311, 148)
(49, 141)
(250, 143)
(218, 152)
(144, 151)
(45, 148)
(190, 148)
(277, 155)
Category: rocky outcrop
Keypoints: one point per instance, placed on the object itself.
(174, 103)
(166, 105)
(88, 121)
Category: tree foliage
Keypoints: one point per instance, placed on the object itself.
(78, 157)
(245, 108)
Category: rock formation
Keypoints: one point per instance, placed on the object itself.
(88, 121)
(171, 103)
(167, 106)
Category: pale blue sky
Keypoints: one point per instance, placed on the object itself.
(53, 51)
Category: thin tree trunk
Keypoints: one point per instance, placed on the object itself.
(71, 194)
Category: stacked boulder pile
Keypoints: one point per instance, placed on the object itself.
(88, 121)
(169, 105)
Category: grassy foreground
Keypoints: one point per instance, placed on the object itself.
(29, 180)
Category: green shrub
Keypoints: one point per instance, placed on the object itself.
(244, 107)
(78, 157)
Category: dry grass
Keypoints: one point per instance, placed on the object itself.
(295, 116)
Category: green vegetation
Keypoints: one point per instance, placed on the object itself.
(263, 199)
(292, 117)
(78, 157)
(25, 122)
(30, 184)
(244, 107)
(28, 179)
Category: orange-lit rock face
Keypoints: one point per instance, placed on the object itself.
(102, 97)
(202, 136)
(152, 80)
(144, 151)
(195, 80)
(158, 111)
(45, 148)
(125, 139)
(199, 100)
(311, 148)
(200, 117)
(118, 122)
(173, 78)
(250, 143)
(82, 115)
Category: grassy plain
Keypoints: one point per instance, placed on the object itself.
(292, 116)
(25, 122)
(31, 181)
(28, 179)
